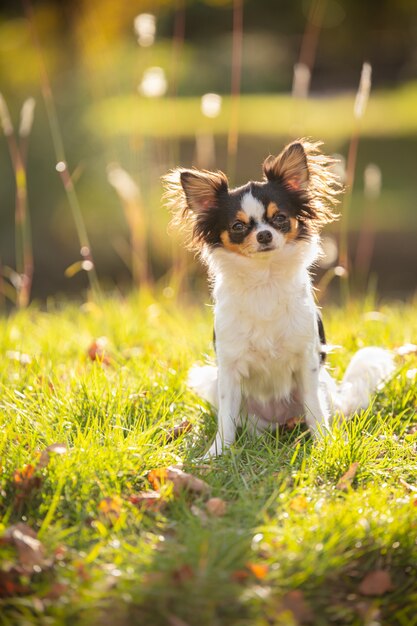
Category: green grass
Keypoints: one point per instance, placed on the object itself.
(180, 566)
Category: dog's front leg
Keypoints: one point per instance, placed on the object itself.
(230, 398)
(315, 406)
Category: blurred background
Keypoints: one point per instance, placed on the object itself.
(101, 98)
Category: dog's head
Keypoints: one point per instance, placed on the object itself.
(291, 204)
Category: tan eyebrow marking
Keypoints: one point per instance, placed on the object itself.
(292, 234)
(271, 210)
(242, 216)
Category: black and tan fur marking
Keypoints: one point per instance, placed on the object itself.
(299, 185)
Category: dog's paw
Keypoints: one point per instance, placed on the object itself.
(217, 448)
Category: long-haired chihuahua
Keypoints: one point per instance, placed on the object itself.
(259, 241)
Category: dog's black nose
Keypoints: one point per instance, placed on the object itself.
(264, 236)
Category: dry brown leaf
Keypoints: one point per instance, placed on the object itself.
(294, 601)
(179, 479)
(376, 583)
(179, 429)
(345, 482)
(216, 507)
(45, 457)
(97, 351)
(148, 500)
(30, 551)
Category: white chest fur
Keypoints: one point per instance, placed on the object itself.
(265, 320)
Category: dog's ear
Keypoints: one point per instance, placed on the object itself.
(193, 196)
(290, 167)
(202, 189)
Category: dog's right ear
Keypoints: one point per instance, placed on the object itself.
(193, 197)
(194, 190)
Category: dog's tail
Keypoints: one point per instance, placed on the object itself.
(203, 380)
(369, 369)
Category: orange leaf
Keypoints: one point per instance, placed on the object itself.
(345, 482)
(157, 477)
(111, 507)
(376, 583)
(259, 570)
(24, 474)
(299, 504)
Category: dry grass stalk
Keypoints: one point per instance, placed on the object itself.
(18, 154)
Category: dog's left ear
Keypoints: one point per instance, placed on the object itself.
(290, 167)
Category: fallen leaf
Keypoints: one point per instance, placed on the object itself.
(45, 457)
(180, 429)
(179, 479)
(299, 504)
(345, 482)
(216, 507)
(259, 570)
(376, 583)
(294, 601)
(97, 351)
(148, 500)
(30, 551)
(25, 474)
(111, 507)
(25, 481)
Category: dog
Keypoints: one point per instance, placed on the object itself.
(259, 242)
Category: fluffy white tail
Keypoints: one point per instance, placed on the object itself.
(369, 368)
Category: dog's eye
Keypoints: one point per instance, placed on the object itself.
(279, 218)
(238, 227)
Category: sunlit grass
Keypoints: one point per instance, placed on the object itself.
(283, 514)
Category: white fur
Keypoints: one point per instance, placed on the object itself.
(268, 348)
(252, 207)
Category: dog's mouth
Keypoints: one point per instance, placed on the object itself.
(266, 248)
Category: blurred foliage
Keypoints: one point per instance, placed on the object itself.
(95, 65)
